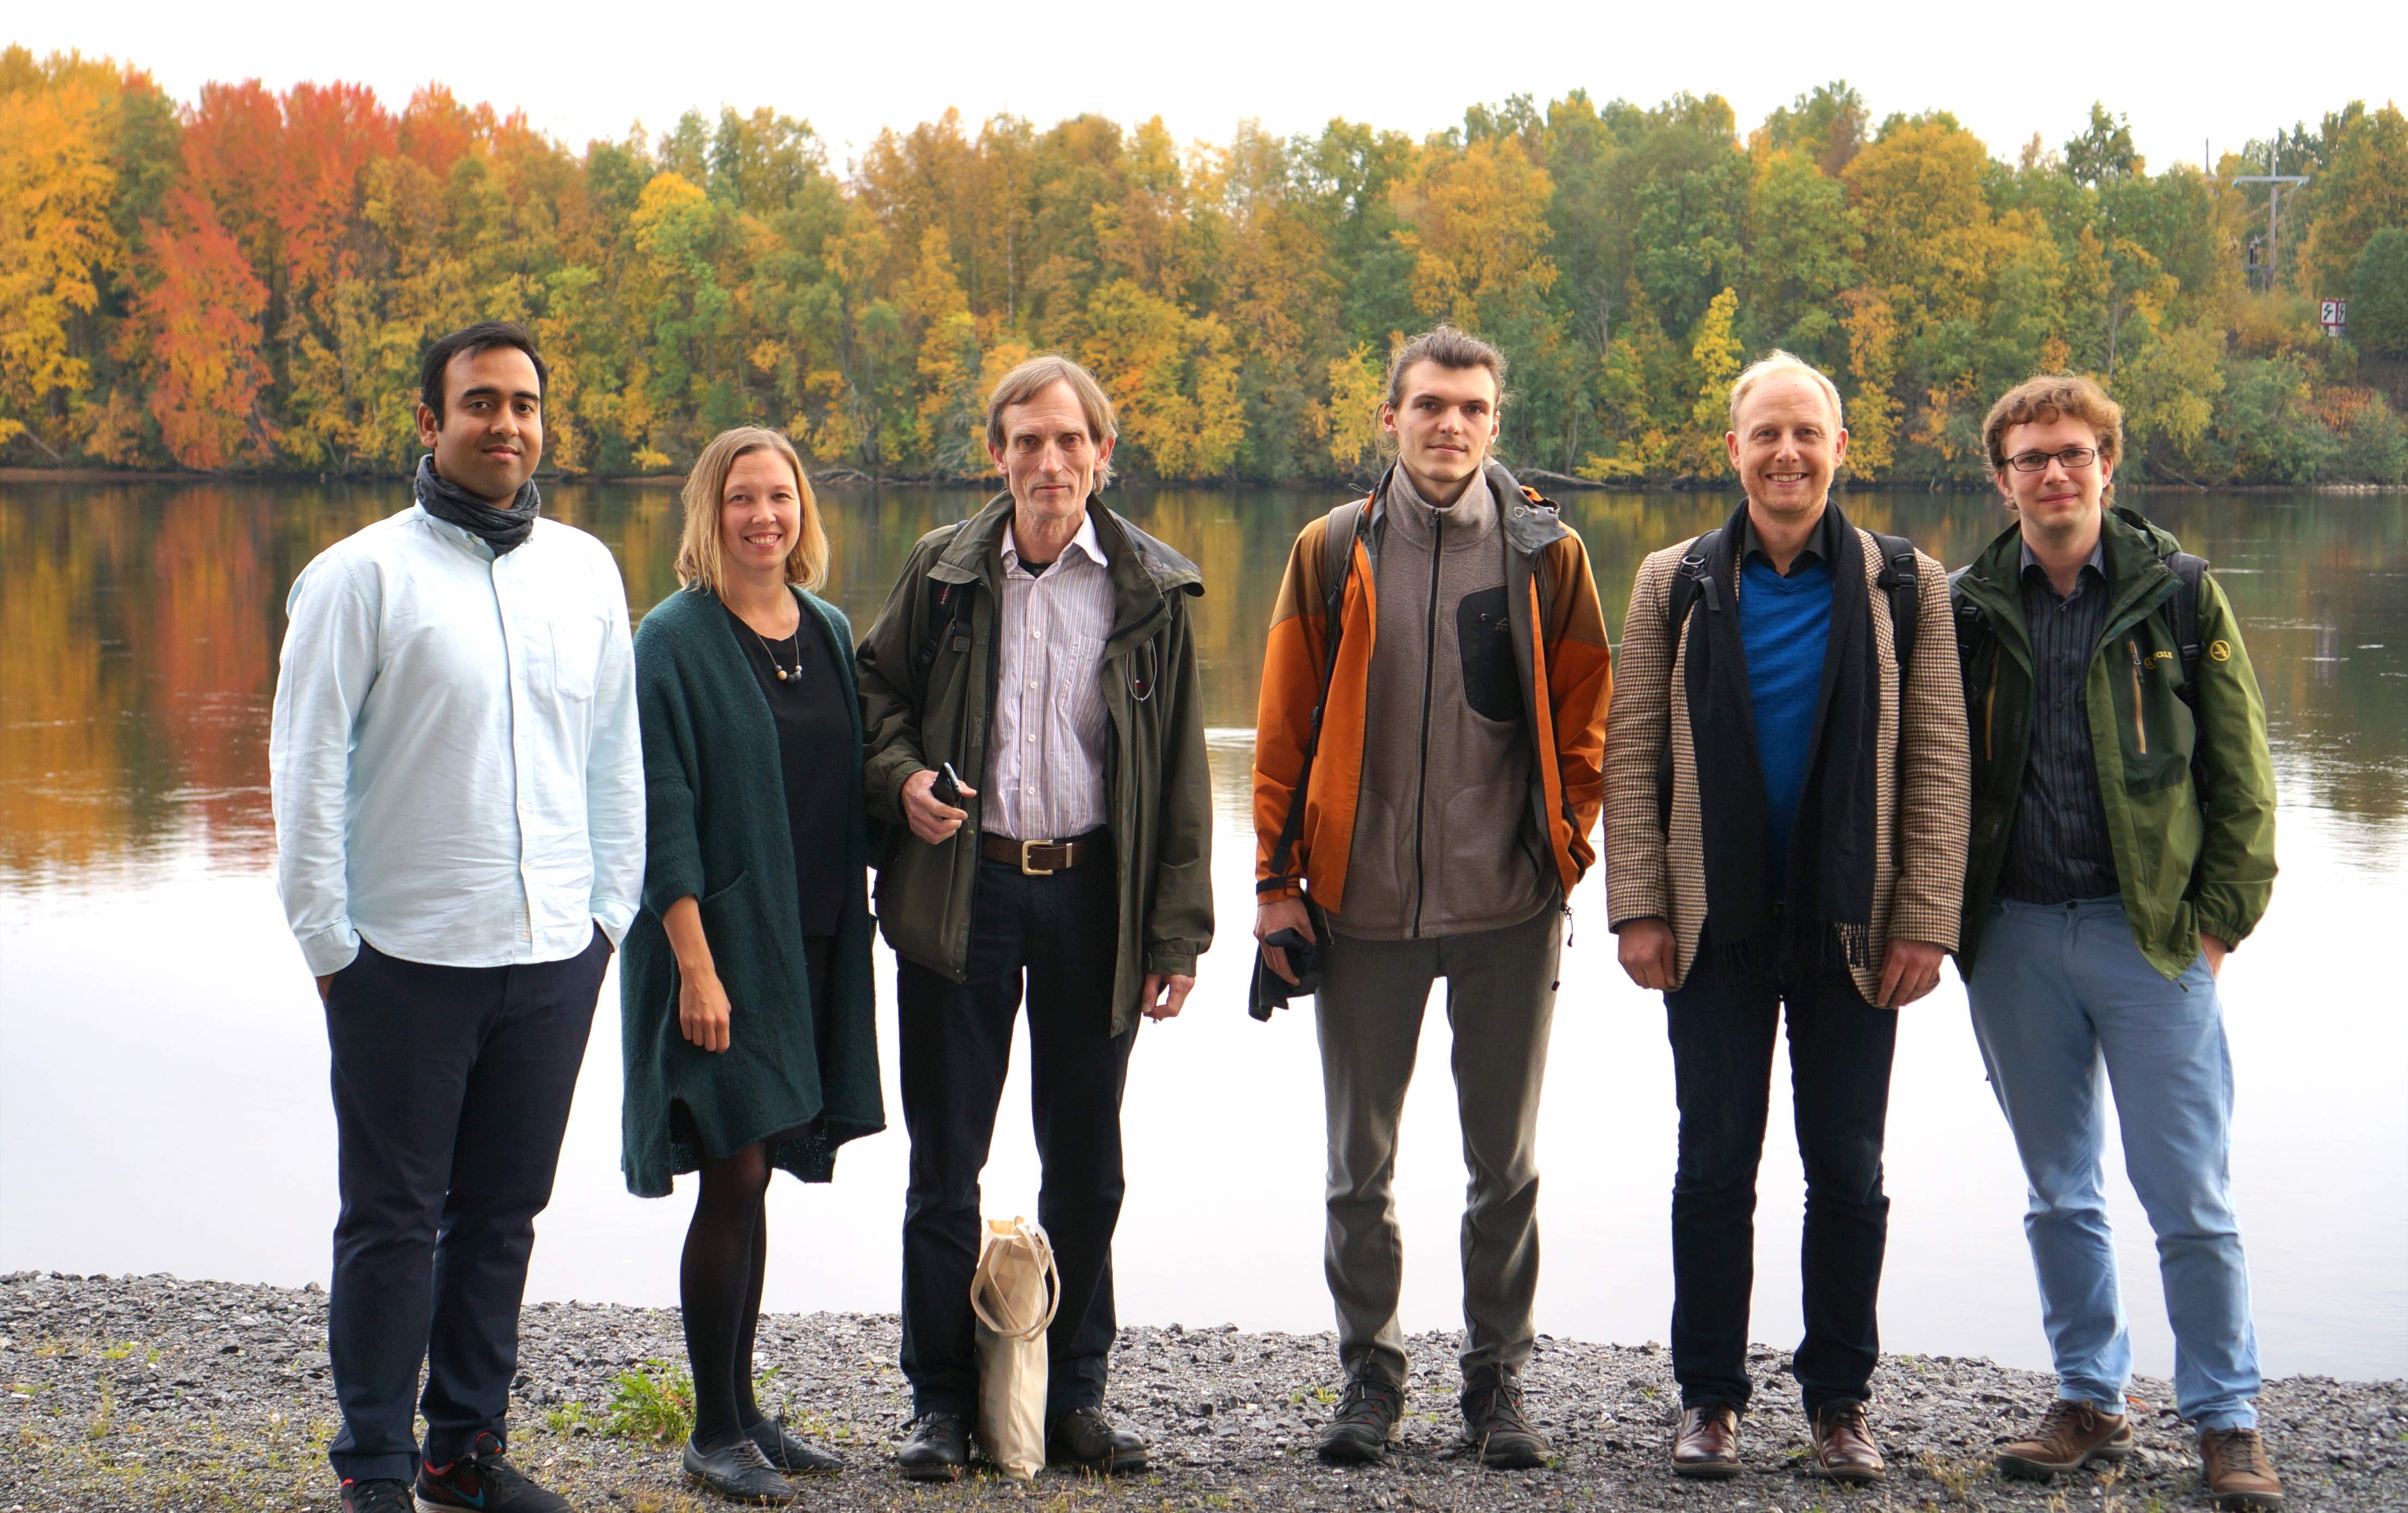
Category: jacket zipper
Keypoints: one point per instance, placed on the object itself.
(1990, 718)
(1429, 675)
(2140, 731)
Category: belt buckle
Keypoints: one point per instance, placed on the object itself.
(1028, 870)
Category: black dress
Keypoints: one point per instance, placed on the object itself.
(814, 741)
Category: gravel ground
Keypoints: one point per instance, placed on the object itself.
(160, 1394)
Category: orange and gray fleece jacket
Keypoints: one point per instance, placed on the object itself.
(1562, 667)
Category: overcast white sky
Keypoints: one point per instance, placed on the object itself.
(2186, 73)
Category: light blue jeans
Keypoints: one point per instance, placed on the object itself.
(2061, 991)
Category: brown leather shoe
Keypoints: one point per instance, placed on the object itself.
(1844, 1446)
(2070, 1436)
(2239, 1476)
(1707, 1446)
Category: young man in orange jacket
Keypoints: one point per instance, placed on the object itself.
(1445, 818)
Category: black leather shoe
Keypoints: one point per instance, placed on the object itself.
(937, 1450)
(1495, 1424)
(786, 1453)
(1087, 1438)
(1368, 1418)
(739, 1472)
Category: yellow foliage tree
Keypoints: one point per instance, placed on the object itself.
(1872, 362)
(1713, 356)
(1174, 379)
(1351, 420)
(950, 411)
(1477, 229)
(56, 241)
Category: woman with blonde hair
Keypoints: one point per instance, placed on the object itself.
(745, 996)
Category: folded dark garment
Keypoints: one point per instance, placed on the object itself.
(1269, 990)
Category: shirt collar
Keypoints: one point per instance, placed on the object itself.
(2097, 564)
(1752, 547)
(459, 535)
(1084, 542)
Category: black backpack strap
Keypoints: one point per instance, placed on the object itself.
(948, 618)
(2188, 569)
(1690, 581)
(1901, 574)
(1345, 527)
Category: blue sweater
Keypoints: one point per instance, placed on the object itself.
(1784, 624)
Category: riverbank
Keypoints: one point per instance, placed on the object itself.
(161, 1394)
(1546, 481)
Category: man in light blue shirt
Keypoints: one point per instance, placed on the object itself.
(459, 826)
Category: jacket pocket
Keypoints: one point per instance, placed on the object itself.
(1484, 639)
(2152, 726)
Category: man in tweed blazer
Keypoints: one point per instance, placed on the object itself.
(1786, 817)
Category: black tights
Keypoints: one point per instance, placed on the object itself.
(718, 1289)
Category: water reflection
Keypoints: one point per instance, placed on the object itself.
(148, 987)
(140, 624)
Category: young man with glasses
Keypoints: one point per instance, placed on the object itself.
(2110, 871)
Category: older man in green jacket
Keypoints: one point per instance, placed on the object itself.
(2123, 843)
(1038, 659)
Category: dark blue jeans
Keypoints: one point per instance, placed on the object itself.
(1840, 1050)
(1059, 935)
(451, 1091)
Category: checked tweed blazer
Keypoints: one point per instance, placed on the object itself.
(1925, 792)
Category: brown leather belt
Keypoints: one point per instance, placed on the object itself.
(1036, 858)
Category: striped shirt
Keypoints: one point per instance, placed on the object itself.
(2057, 848)
(1045, 759)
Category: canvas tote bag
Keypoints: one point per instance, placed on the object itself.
(1013, 1293)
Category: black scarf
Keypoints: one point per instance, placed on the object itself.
(502, 529)
(1824, 918)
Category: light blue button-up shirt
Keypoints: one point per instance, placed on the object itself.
(453, 757)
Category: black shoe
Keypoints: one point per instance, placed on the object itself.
(386, 1495)
(1367, 1418)
(482, 1482)
(937, 1450)
(1086, 1437)
(1494, 1423)
(738, 1471)
(783, 1452)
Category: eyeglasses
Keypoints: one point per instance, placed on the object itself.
(2072, 457)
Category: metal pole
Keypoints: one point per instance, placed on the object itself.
(2273, 194)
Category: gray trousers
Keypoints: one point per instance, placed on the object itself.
(1501, 1003)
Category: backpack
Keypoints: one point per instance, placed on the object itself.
(2182, 610)
(1900, 578)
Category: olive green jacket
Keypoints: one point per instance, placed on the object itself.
(2188, 785)
(927, 696)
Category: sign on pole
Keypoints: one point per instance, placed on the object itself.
(2333, 314)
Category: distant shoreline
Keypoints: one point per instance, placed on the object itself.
(159, 1393)
(848, 478)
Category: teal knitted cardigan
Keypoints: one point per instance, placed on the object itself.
(716, 830)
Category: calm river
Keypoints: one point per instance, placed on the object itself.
(163, 1064)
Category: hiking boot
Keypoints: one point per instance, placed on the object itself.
(484, 1482)
(937, 1450)
(2239, 1476)
(385, 1494)
(739, 1472)
(1088, 1438)
(1843, 1445)
(786, 1453)
(2072, 1435)
(1369, 1416)
(1706, 1446)
(1493, 1422)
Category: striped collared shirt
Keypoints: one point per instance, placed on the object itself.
(2059, 849)
(1045, 759)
